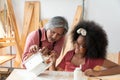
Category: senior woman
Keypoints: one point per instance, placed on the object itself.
(48, 39)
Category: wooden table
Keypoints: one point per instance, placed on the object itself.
(22, 74)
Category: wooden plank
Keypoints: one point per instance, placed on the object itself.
(68, 44)
(11, 16)
(28, 11)
(119, 58)
(43, 22)
(34, 24)
(5, 58)
(5, 44)
(78, 16)
(115, 57)
(6, 39)
(32, 21)
(3, 18)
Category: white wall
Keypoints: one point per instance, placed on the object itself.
(107, 13)
(49, 8)
(104, 12)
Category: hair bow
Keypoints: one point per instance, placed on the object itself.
(82, 31)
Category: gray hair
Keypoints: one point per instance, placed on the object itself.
(57, 21)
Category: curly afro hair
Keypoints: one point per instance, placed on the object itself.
(96, 39)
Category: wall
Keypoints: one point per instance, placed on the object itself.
(104, 12)
(107, 13)
(49, 8)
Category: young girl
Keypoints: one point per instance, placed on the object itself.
(90, 44)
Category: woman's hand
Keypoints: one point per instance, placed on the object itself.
(33, 49)
(91, 72)
(45, 51)
(26, 57)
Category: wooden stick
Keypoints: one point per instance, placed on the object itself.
(14, 24)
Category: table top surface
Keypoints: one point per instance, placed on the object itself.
(22, 74)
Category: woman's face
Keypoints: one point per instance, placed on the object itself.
(80, 46)
(55, 34)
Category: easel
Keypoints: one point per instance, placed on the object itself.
(12, 20)
(31, 22)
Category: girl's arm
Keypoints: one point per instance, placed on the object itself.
(111, 68)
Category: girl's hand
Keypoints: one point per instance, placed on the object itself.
(91, 72)
(51, 58)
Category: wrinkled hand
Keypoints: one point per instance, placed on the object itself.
(44, 51)
(26, 57)
(91, 72)
(33, 49)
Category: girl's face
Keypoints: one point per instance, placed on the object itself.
(80, 46)
(55, 34)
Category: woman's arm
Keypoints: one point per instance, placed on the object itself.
(32, 39)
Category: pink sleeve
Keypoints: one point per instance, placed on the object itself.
(67, 58)
(97, 62)
(32, 39)
(91, 63)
